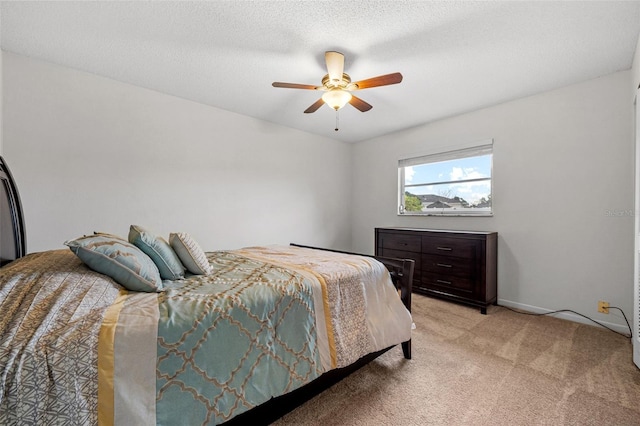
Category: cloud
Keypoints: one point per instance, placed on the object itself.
(473, 191)
(459, 173)
(408, 174)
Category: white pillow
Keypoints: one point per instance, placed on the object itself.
(190, 253)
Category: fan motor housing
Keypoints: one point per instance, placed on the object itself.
(346, 80)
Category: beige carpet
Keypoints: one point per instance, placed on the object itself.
(497, 369)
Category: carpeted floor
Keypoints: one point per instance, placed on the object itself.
(497, 369)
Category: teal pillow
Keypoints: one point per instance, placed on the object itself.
(120, 260)
(159, 251)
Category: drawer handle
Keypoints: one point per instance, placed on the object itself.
(444, 265)
(443, 282)
(444, 248)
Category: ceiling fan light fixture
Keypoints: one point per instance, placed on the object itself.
(337, 89)
(336, 98)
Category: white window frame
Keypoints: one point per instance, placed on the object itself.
(473, 151)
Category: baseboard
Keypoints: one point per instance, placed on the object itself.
(620, 328)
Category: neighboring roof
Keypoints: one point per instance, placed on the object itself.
(430, 198)
(438, 205)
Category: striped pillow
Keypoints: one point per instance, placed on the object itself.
(118, 259)
(190, 253)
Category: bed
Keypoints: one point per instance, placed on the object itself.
(259, 331)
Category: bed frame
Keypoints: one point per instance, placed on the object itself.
(13, 241)
(13, 246)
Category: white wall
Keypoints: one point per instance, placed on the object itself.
(636, 67)
(563, 193)
(92, 154)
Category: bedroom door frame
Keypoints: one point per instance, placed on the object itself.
(636, 249)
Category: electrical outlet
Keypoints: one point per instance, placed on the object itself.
(603, 307)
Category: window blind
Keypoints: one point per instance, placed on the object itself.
(449, 155)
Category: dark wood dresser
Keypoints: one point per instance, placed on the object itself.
(455, 265)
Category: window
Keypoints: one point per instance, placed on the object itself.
(454, 183)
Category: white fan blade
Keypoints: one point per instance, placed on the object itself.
(335, 65)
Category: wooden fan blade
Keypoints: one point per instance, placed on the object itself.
(294, 86)
(335, 65)
(360, 104)
(382, 80)
(314, 107)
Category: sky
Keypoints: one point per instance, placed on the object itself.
(453, 170)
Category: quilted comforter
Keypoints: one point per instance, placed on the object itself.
(77, 348)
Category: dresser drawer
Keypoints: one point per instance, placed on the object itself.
(448, 284)
(412, 243)
(457, 247)
(448, 265)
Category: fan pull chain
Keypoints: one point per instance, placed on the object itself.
(337, 121)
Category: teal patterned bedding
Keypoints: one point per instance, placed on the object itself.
(267, 321)
(261, 312)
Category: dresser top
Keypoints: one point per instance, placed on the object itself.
(448, 231)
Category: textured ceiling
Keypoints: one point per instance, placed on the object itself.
(455, 56)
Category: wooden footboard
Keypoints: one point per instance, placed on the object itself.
(401, 271)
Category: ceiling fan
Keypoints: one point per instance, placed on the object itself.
(337, 85)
